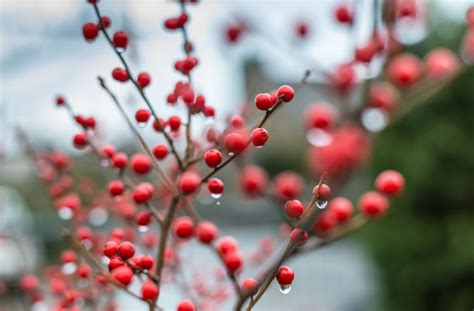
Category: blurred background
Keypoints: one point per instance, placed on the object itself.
(419, 257)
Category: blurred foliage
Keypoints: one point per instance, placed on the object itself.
(425, 247)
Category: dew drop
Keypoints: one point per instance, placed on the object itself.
(39, 306)
(143, 228)
(322, 204)
(231, 154)
(65, 213)
(98, 216)
(69, 268)
(120, 49)
(318, 137)
(374, 119)
(284, 289)
(216, 195)
(104, 162)
(105, 260)
(259, 147)
(218, 203)
(141, 124)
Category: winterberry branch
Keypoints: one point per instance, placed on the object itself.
(138, 87)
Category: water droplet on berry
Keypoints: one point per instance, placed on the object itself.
(143, 228)
(65, 213)
(231, 154)
(284, 289)
(318, 137)
(374, 119)
(259, 147)
(105, 260)
(120, 49)
(104, 162)
(218, 203)
(321, 204)
(141, 124)
(69, 268)
(39, 306)
(98, 216)
(216, 195)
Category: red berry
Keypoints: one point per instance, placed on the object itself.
(105, 21)
(302, 29)
(29, 283)
(142, 115)
(285, 275)
(185, 305)
(383, 95)
(390, 183)
(141, 163)
(264, 101)
(110, 249)
(253, 180)
(108, 151)
(123, 274)
(143, 218)
(341, 208)
(213, 157)
(68, 256)
(206, 232)
(120, 160)
(90, 31)
(343, 14)
(116, 188)
(142, 192)
(259, 136)
(320, 115)
(80, 140)
(83, 271)
(115, 262)
(233, 261)
(286, 93)
(126, 250)
(441, 64)
(299, 236)
(120, 40)
(143, 79)
(249, 286)
(189, 182)
(294, 208)
(172, 23)
(373, 204)
(150, 291)
(183, 227)
(209, 111)
(145, 262)
(365, 53)
(404, 70)
(215, 186)
(120, 74)
(343, 78)
(235, 142)
(174, 123)
(159, 125)
(288, 185)
(227, 245)
(323, 192)
(60, 100)
(160, 151)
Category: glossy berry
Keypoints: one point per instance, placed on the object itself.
(215, 186)
(299, 236)
(105, 21)
(233, 261)
(142, 192)
(123, 274)
(285, 275)
(249, 286)
(143, 79)
(120, 74)
(183, 227)
(108, 151)
(60, 101)
(323, 192)
(120, 160)
(235, 142)
(126, 250)
(341, 208)
(174, 122)
(149, 291)
(143, 218)
(116, 188)
(80, 140)
(373, 204)
(264, 101)
(90, 32)
(206, 232)
(213, 157)
(115, 262)
(320, 115)
(68, 256)
(343, 14)
(259, 136)
(286, 93)
(120, 40)
(141, 163)
(288, 185)
(404, 70)
(185, 305)
(227, 245)
(145, 262)
(294, 208)
(253, 180)
(142, 115)
(390, 183)
(441, 64)
(189, 182)
(160, 151)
